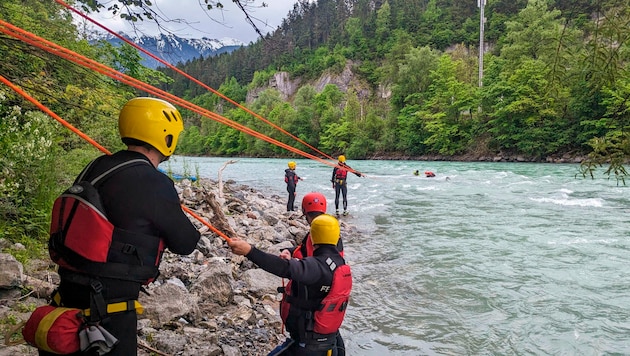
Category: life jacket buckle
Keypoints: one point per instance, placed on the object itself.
(128, 249)
(96, 286)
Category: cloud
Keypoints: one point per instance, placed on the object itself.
(189, 19)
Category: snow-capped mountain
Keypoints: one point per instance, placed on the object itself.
(174, 49)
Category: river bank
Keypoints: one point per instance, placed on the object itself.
(208, 303)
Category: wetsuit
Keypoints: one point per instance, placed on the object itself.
(310, 273)
(339, 180)
(291, 179)
(303, 250)
(141, 199)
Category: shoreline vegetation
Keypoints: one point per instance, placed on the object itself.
(210, 302)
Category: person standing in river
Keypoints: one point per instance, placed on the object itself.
(291, 178)
(339, 177)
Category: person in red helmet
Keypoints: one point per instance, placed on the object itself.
(313, 205)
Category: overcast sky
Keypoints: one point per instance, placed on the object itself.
(216, 24)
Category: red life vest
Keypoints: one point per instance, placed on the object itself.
(82, 238)
(341, 173)
(322, 316)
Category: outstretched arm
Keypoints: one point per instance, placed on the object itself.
(270, 263)
(358, 174)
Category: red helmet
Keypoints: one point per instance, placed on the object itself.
(314, 201)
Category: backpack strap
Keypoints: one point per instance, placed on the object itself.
(114, 169)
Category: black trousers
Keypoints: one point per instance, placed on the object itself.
(343, 189)
(291, 202)
(123, 326)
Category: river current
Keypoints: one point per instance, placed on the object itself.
(483, 259)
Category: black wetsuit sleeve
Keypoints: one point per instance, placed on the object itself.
(180, 234)
(270, 263)
(306, 270)
(333, 175)
(354, 171)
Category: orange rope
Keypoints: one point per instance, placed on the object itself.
(177, 70)
(74, 57)
(95, 144)
(224, 236)
(52, 114)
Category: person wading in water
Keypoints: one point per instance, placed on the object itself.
(291, 178)
(339, 181)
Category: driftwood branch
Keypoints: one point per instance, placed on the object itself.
(146, 347)
(220, 174)
(218, 219)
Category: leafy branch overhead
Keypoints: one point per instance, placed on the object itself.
(140, 10)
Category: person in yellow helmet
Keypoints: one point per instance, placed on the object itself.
(339, 183)
(291, 178)
(322, 284)
(144, 208)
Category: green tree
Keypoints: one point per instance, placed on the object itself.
(449, 132)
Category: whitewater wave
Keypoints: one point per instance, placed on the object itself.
(567, 201)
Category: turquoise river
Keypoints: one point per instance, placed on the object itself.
(483, 259)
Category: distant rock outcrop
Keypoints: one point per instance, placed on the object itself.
(346, 81)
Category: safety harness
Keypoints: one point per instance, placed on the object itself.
(320, 318)
(82, 239)
(81, 242)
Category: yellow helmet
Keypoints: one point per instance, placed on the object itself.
(325, 230)
(153, 121)
(342, 159)
(292, 165)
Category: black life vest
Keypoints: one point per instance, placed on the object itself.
(83, 240)
(290, 178)
(320, 309)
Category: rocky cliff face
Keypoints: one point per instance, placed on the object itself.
(346, 81)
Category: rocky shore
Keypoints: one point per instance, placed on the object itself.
(208, 303)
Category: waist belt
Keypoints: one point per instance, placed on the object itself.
(111, 308)
(121, 307)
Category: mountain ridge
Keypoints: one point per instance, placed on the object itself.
(174, 49)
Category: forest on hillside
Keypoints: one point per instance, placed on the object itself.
(555, 81)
